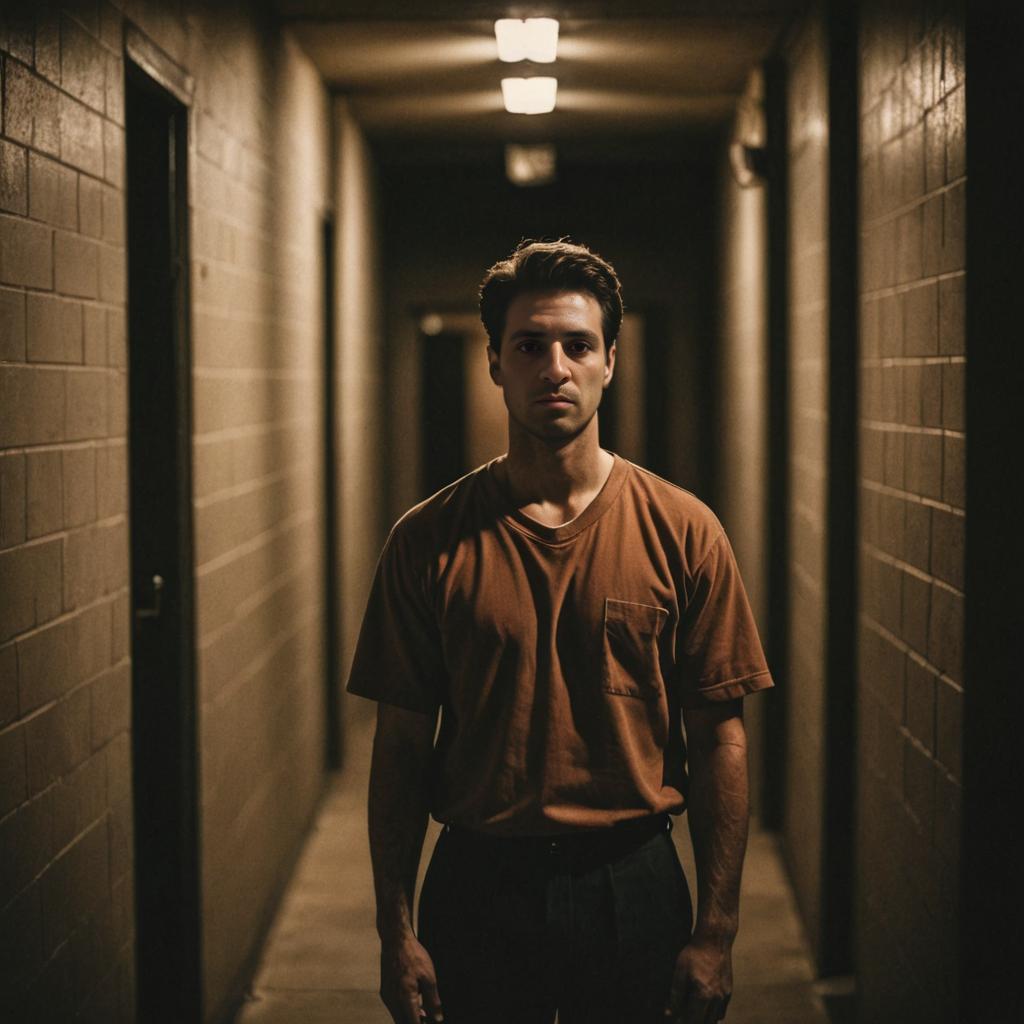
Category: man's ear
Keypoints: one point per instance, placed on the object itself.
(609, 366)
(493, 365)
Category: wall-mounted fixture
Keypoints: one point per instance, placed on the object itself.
(748, 152)
(533, 39)
(529, 95)
(530, 165)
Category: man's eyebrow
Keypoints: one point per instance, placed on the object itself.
(579, 332)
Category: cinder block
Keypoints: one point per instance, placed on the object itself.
(931, 395)
(892, 523)
(113, 153)
(90, 206)
(111, 34)
(912, 160)
(891, 378)
(956, 135)
(13, 178)
(948, 817)
(113, 215)
(54, 329)
(916, 607)
(921, 319)
(17, 33)
(26, 253)
(45, 666)
(871, 455)
(115, 89)
(112, 479)
(951, 316)
(932, 242)
(8, 684)
(890, 596)
(81, 136)
(13, 780)
(90, 641)
(111, 704)
(53, 192)
(76, 265)
(120, 615)
(953, 229)
(74, 885)
(79, 471)
(51, 994)
(912, 373)
(13, 514)
(25, 846)
(82, 64)
(112, 274)
(115, 556)
(946, 631)
(953, 474)
(83, 567)
(12, 325)
(909, 234)
(45, 492)
(947, 561)
(119, 774)
(890, 325)
(79, 800)
(919, 785)
(47, 49)
(949, 726)
(120, 829)
(117, 344)
(117, 404)
(924, 464)
(917, 535)
(94, 335)
(935, 148)
(86, 405)
(920, 717)
(58, 739)
(953, 396)
(31, 109)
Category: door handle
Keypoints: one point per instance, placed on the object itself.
(153, 610)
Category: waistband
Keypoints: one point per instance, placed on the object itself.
(591, 846)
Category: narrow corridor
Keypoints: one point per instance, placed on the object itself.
(319, 964)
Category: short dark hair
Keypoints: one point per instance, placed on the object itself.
(536, 266)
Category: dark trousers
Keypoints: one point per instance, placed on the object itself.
(588, 925)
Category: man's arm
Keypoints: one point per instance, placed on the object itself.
(398, 809)
(718, 808)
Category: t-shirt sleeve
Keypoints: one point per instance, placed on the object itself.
(719, 653)
(398, 658)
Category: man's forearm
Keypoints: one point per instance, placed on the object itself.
(398, 810)
(719, 813)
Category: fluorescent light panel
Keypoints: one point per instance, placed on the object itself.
(529, 95)
(533, 39)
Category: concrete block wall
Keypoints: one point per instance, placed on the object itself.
(66, 901)
(259, 129)
(912, 509)
(742, 416)
(807, 145)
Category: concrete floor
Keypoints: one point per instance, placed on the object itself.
(320, 961)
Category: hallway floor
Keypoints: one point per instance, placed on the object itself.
(320, 966)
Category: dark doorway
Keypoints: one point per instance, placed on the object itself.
(333, 732)
(444, 414)
(167, 895)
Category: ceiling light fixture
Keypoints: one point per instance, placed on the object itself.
(530, 165)
(529, 95)
(533, 39)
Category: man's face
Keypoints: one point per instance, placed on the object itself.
(553, 366)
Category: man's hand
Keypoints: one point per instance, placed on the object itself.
(408, 985)
(701, 984)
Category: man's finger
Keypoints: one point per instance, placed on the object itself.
(431, 1000)
(411, 1004)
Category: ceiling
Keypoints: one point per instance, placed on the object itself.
(634, 79)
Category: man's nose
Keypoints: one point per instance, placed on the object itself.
(556, 366)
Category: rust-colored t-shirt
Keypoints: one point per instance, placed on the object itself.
(560, 656)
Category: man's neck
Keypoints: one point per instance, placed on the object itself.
(554, 484)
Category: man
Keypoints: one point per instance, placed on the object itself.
(563, 609)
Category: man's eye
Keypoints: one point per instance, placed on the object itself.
(527, 346)
(579, 347)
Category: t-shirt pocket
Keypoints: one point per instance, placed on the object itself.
(630, 663)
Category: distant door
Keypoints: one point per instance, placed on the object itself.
(443, 434)
(163, 635)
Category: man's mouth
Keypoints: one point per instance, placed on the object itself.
(555, 400)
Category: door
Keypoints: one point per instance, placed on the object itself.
(163, 645)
